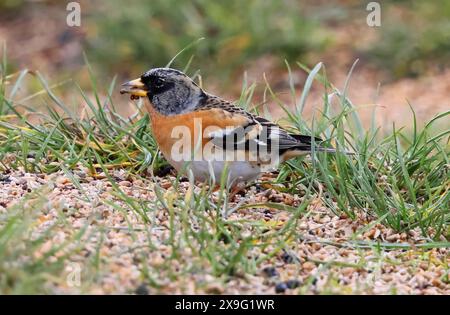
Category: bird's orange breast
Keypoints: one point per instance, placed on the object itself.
(168, 130)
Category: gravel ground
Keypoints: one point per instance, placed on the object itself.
(320, 258)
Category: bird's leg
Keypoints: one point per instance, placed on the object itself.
(235, 190)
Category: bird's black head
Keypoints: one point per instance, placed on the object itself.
(170, 91)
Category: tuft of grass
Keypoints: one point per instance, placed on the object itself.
(62, 138)
(401, 178)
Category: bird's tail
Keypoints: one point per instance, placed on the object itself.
(331, 150)
(307, 145)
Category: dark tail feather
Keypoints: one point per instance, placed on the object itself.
(305, 139)
(330, 150)
(307, 144)
(308, 148)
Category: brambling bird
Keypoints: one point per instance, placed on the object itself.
(206, 135)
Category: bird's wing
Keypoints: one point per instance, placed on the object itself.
(251, 132)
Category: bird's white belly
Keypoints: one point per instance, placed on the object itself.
(237, 171)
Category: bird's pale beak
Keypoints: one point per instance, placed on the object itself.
(134, 87)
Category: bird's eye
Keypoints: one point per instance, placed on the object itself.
(159, 83)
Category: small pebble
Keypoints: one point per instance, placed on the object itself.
(280, 287)
(142, 290)
(308, 265)
(125, 183)
(270, 272)
(289, 258)
(292, 284)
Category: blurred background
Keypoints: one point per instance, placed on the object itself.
(407, 58)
